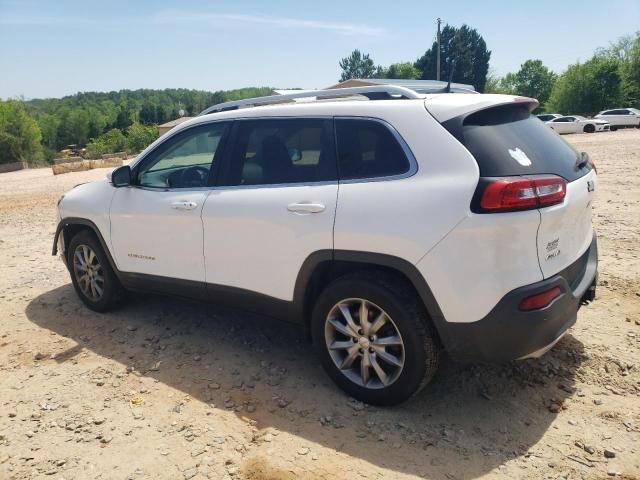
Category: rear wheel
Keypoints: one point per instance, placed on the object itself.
(93, 278)
(589, 128)
(374, 338)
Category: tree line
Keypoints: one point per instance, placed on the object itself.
(463, 56)
(609, 79)
(34, 131)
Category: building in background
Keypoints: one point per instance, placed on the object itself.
(165, 127)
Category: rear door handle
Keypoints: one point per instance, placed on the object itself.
(304, 207)
(184, 205)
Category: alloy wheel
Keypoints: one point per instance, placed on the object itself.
(88, 272)
(364, 343)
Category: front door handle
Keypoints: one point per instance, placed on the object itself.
(184, 205)
(306, 207)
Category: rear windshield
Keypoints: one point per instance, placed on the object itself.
(510, 141)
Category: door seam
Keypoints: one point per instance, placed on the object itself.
(204, 258)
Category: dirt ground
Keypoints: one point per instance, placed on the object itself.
(168, 389)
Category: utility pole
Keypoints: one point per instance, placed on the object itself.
(438, 54)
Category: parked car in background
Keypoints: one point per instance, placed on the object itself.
(578, 124)
(547, 117)
(621, 117)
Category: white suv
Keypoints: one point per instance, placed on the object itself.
(393, 229)
(621, 117)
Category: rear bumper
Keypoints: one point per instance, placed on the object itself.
(508, 333)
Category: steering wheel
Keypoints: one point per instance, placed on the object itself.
(195, 176)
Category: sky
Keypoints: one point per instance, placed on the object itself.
(56, 48)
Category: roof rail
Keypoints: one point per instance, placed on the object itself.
(375, 92)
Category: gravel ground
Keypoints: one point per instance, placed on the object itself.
(168, 389)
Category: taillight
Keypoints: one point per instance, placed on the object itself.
(522, 193)
(540, 300)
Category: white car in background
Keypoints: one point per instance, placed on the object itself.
(621, 117)
(578, 124)
(547, 117)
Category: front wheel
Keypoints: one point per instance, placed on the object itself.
(374, 338)
(93, 278)
(589, 128)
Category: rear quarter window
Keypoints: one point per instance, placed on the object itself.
(368, 149)
(507, 141)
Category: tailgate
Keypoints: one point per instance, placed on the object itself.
(566, 231)
(511, 145)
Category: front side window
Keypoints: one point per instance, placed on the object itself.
(183, 161)
(281, 151)
(368, 149)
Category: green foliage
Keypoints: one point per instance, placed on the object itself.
(533, 79)
(238, 94)
(403, 70)
(588, 87)
(611, 78)
(627, 52)
(357, 65)
(77, 118)
(49, 129)
(493, 83)
(631, 76)
(137, 139)
(463, 47)
(140, 136)
(111, 142)
(19, 134)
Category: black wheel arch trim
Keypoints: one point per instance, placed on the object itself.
(295, 311)
(69, 221)
(371, 259)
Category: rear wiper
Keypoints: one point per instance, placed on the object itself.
(582, 160)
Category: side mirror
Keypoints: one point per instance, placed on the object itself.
(121, 176)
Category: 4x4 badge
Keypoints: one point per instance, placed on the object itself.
(591, 186)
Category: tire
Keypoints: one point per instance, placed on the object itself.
(395, 301)
(106, 291)
(589, 128)
(613, 128)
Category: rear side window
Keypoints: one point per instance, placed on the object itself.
(368, 149)
(510, 141)
(281, 151)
